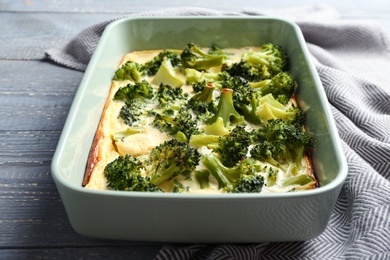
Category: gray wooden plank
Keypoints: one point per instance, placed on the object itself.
(35, 95)
(26, 36)
(374, 7)
(27, 153)
(33, 215)
(136, 252)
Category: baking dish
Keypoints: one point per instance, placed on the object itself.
(197, 218)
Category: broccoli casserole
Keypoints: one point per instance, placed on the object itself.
(202, 120)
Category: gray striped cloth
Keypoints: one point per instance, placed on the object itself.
(353, 61)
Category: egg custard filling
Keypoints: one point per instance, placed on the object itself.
(202, 120)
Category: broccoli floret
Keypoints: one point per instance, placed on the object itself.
(195, 76)
(131, 112)
(199, 86)
(178, 187)
(194, 57)
(301, 180)
(231, 148)
(216, 128)
(281, 86)
(202, 177)
(248, 184)
(263, 108)
(242, 91)
(205, 95)
(202, 103)
(207, 140)
(226, 110)
(172, 122)
(124, 173)
(234, 146)
(216, 50)
(169, 97)
(224, 175)
(269, 108)
(151, 67)
(266, 152)
(120, 135)
(170, 159)
(199, 79)
(272, 176)
(281, 144)
(129, 71)
(244, 70)
(271, 58)
(141, 89)
(167, 74)
(233, 179)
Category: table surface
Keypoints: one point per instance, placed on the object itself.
(35, 97)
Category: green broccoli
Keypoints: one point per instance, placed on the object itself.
(199, 86)
(141, 89)
(248, 184)
(167, 74)
(216, 50)
(224, 175)
(151, 67)
(271, 58)
(281, 144)
(233, 179)
(281, 86)
(208, 140)
(226, 110)
(244, 70)
(120, 135)
(172, 122)
(194, 57)
(202, 103)
(234, 146)
(301, 180)
(131, 112)
(124, 173)
(202, 177)
(269, 108)
(169, 97)
(242, 91)
(170, 159)
(231, 148)
(216, 128)
(272, 176)
(195, 76)
(178, 187)
(129, 71)
(263, 108)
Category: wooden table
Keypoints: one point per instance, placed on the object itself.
(35, 96)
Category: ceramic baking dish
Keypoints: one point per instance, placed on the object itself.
(213, 218)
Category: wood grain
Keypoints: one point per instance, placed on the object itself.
(35, 97)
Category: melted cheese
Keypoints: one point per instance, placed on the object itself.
(139, 144)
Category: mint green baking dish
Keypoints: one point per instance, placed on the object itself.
(232, 218)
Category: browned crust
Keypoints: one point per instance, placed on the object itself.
(310, 170)
(95, 153)
(94, 156)
(309, 161)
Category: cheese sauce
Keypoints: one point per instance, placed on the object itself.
(115, 142)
